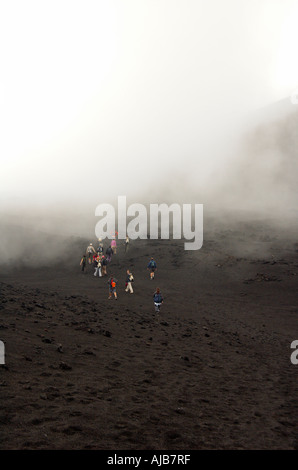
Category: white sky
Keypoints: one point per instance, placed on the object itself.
(103, 98)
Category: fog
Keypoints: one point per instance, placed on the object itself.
(156, 100)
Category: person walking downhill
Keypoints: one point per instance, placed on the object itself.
(94, 259)
(104, 266)
(90, 251)
(83, 263)
(158, 300)
(109, 253)
(100, 247)
(112, 287)
(129, 280)
(114, 246)
(97, 271)
(152, 268)
(126, 244)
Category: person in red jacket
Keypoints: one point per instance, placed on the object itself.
(112, 287)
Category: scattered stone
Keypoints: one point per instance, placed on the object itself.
(185, 358)
(180, 411)
(64, 366)
(27, 358)
(88, 352)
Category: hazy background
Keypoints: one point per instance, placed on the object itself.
(160, 100)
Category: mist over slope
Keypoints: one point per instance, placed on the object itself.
(23, 246)
(263, 177)
(257, 174)
(259, 182)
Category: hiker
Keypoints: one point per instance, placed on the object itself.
(129, 280)
(112, 287)
(109, 253)
(114, 246)
(83, 262)
(152, 268)
(103, 266)
(100, 247)
(97, 267)
(158, 300)
(90, 251)
(126, 244)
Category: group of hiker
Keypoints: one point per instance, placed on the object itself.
(100, 261)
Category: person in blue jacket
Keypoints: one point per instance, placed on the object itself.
(152, 268)
(158, 300)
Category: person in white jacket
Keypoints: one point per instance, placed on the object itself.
(129, 280)
(97, 266)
